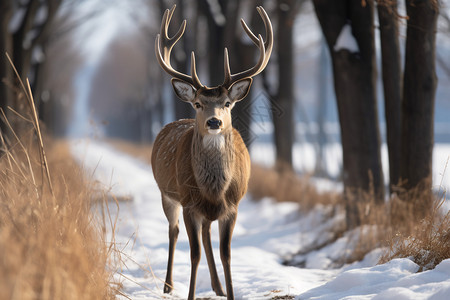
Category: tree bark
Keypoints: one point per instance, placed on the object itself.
(22, 52)
(392, 76)
(182, 58)
(216, 40)
(355, 87)
(284, 123)
(419, 89)
(5, 68)
(242, 56)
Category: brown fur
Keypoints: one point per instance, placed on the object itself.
(207, 180)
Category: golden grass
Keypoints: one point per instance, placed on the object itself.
(286, 186)
(52, 245)
(424, 234)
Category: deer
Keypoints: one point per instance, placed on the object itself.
(202, 165)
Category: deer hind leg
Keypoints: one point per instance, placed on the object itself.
(172, 212)
(226, 228)
(206, 236)
(193, 224)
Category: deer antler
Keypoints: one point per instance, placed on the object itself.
(265, 49)
(163, 41)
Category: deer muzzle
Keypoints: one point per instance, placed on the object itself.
(214, 125)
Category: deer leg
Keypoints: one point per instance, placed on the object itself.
(206, 235)
(172, 212)
(193, 228)
(226, 228)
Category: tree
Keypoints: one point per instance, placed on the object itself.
(243, 55)
(284, 124)
(6, 10)
(419, 94)
(183, 110)
(21, 39)
(392, 76)
(283, 99)
(354, 72)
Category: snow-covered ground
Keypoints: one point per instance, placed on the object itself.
(266, 232)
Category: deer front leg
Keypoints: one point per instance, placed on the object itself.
(193, 228)
(173, 236)
(215, 282)
(226, 228)
(172, 211)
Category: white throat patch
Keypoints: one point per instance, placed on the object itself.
(216, 141)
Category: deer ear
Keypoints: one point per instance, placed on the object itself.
(185, 91)
(240, 89)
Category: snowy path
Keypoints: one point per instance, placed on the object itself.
(265, 231)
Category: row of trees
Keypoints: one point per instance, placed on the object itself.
(24, 34)
(409, 104)
(408, 94)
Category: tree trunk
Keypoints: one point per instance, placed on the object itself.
(216, 40)
(284, 123)
(22, 52)
(321, 164)
(391, 70)
(243, 56)
(5, 68)
(419, 94)
(182, 59)
(355, 87)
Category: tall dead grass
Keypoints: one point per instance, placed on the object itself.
(286, 186)
(422, 234)
(51, 244)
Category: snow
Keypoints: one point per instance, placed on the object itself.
(397, 279)
(265, 234)
(346, 40)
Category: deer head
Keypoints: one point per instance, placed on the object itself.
(213, 105)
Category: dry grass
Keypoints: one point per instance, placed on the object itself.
(51, 244)
(423, 235)
(286, 186)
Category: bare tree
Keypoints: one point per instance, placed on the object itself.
(284, 98)
(6, 11)
(354, 73)
(392, 76)
(419, 94)
(32, 24)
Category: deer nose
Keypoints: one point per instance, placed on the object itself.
(214, 123)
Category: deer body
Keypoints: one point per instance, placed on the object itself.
(202, 165)
(210, 178)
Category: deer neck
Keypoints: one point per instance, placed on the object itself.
(212, 163)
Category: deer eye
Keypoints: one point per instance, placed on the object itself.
(228, 104)
(197, 105)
